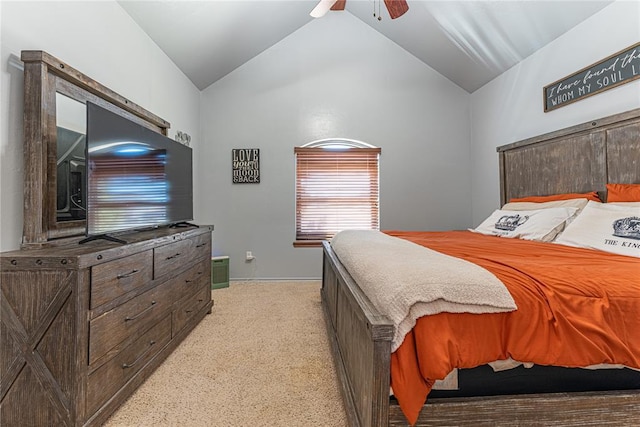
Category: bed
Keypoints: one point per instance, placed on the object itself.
(578, 159)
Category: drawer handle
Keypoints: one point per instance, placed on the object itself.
(131, 365)
(127, 319)
(174, 256)
(201, 245)
(191, 310)
(131, 273)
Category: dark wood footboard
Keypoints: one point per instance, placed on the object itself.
(361, 344)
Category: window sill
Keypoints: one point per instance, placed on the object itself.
(308, 243)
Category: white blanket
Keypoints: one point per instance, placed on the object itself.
(405, 281)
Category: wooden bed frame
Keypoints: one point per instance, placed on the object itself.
(581, 158)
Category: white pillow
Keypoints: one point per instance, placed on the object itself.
(539, 224)
(570, 203)
(605, 226)
(625, 204)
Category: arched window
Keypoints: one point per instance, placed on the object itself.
(337, 188)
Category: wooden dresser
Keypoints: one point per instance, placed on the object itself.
(82, 326)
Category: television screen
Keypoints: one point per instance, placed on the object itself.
(136, 178)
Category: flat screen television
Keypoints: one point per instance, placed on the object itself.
(136, 178)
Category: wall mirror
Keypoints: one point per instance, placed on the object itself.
(71, 131)
(55, 97)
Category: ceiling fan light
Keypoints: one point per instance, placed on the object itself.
(322, 8)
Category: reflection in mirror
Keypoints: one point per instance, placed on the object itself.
(71, 119)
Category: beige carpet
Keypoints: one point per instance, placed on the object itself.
(261, 358)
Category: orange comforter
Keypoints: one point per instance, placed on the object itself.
(576, 307)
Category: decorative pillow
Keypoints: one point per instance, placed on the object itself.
(540, 224)
(592, 195)
(623, 193)
(579, 204)
(608, 227)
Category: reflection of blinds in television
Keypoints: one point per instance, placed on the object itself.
(127, 191)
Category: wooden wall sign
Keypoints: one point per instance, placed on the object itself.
(245, 165)
(615, 70)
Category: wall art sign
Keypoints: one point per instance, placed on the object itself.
(245, 163)
(615, 70)
(183, 138)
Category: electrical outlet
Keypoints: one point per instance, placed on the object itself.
(249, 256)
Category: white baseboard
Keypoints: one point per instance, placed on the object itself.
(275, 279)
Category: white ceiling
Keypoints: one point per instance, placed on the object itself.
(469, 42)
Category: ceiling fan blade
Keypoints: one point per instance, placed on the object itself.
(339, 5)
(322, 8)
(396, 8)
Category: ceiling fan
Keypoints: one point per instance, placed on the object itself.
(396, 8)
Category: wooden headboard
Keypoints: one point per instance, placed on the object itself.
(577, 159)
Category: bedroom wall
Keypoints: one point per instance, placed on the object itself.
(334, 77)
(102, 41)
(509, 108)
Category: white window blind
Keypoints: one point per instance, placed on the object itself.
(335, 190)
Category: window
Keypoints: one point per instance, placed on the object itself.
(336, 189)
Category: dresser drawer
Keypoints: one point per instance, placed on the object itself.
(180, 255)
(115, 278)
(128, 320)
(187, 282)
(201, 245)
(188, 308)
(111, 376)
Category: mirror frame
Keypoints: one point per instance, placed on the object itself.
(44, 75)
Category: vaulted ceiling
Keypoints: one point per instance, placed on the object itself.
(469, 42)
